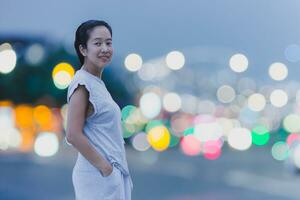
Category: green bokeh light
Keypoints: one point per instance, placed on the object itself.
(280, 151)
(128, 131)
(127, 110)
(188, 131)
(174, 141)
(260, 135)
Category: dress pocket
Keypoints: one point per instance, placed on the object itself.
(111, 174)
(113, 184)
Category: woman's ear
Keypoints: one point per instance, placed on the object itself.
(82, 50)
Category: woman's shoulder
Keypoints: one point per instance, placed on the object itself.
(79, 77)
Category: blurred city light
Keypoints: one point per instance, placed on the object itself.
(240, 139)
(256, 102)
(279, 98)
(212, 149)
(291, 123)
(296, 156)
(43, 117)
(278, 71)
(159, 138)
(140, 142)
(260, 135)
(150, 104)
(8, 58)
(280, 151)
(62, 75)
(207, 128)
(190, 145)
(293, 137)
(238, 63)
(46, 144)
(226, 94)
(133, 62)
(35, 54)
(175, 60)
(171, 102)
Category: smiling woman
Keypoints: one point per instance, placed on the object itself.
(94, 121)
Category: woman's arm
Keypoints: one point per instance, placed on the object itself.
(77, 108)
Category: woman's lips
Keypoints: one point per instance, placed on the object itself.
(104, 58)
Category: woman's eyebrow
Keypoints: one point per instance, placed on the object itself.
(108, 39)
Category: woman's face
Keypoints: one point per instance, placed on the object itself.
(99, 48)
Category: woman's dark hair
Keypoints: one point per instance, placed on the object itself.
(83, 33)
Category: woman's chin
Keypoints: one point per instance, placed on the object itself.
(103, 62)
(101, 65)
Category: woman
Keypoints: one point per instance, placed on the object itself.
(94, 121)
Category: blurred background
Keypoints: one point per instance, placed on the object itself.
(209, 92)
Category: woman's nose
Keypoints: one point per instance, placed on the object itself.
(104, 48)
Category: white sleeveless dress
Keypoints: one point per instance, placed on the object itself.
(104, 131)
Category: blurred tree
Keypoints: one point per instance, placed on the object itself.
(33, 84)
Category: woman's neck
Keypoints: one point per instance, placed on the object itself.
(89, 67)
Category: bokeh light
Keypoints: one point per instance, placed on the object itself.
(10, 137)
(133, 62)
(293, 137)
(240, 139)
(212, 149)
(227, 125)
(43, 117)
(278, 98)
(46, 144)
(207, 128)
(62, 79)
(14, 138)
(190, 145)
(175, 60)
(280, 151)
(180, 122)
(291, 123)
(35, 54)
(133, 120)
(62, 75)
(24, 116)
(174, 141)
(238, 63)
(189, 131)
(171, 102)
(140, 142)
(159, 138)
(256, 102)
(278, 71)
(260, 135)
(150, 105)
(8, 58)
(296, 156)
(226, 94)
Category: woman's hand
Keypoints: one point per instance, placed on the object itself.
(106, 170)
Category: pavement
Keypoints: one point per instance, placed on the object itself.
(169, 175)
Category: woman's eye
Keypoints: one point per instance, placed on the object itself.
(109, 43)
(98, 43)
